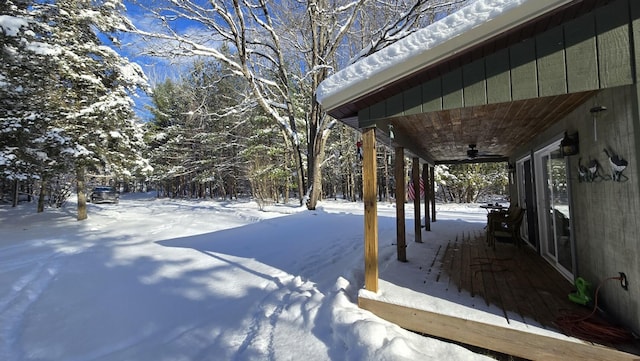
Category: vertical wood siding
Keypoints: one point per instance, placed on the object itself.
(595, 51)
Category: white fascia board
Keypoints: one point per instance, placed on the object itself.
(510, 19)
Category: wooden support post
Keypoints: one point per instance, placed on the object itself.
(432, 180)
(415, 178)
(369, 184)
(426, 179)
(400, 194)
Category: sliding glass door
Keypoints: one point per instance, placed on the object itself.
(526, 200)
(554, 209)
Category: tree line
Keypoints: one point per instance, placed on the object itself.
(240, 119)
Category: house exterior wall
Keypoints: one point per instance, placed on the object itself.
(605, 213)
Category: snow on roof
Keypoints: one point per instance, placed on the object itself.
(428, 45)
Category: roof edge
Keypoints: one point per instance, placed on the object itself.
(510, 19)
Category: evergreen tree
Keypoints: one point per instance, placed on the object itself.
(466, 183)
(199, 133)
(79, 93)
(29, 146)
(342, 169)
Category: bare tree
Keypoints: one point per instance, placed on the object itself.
(284, 49)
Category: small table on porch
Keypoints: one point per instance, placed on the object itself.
(493, 210)
(493, 207)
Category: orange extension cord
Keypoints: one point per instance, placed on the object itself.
(585, 328)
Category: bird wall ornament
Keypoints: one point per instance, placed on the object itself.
(618, 165)
(583, 172)
(592, 171)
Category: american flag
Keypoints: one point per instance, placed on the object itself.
(411, 191)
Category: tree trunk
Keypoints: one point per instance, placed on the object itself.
(297, 155)
(317, 142)
(300, 173)
(29, 192)
(43, 190)
(315, 180)
(352, 185)
(386, 176)
(16, 193)
(82, 197)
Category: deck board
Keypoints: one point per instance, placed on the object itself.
(511, 278)
(524, 288)
(513, 342)
(478, 285)
(466, 281)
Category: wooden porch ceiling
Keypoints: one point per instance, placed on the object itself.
(497, 129)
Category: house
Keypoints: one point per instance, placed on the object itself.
(519, 79)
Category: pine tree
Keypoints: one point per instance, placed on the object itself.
(199, 133)
(29, 146)
(465, 183)
(85, 111)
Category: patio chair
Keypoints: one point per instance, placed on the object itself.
(495, 217)
(505, 226)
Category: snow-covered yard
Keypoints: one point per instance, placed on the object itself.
(158, 279)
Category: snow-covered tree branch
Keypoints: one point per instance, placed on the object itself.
(283, 49)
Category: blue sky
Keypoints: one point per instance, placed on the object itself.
(132, 46)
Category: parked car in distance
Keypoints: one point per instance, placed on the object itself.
(104, 194)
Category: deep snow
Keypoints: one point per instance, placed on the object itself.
(159, 279)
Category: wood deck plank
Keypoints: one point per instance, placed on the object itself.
(518, 281)
(526, 297)
(465, 272)
(445, 268)
(519, 294)
(505, 287)
(506, 340)
(549, 286)
(436, 259)
(482, 268)
(547, 309)
(454, 274)
(476, 282)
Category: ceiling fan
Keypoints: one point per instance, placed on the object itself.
(473, 153)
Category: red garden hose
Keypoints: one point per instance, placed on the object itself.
(590, 329)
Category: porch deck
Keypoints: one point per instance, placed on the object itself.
(507, 300)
